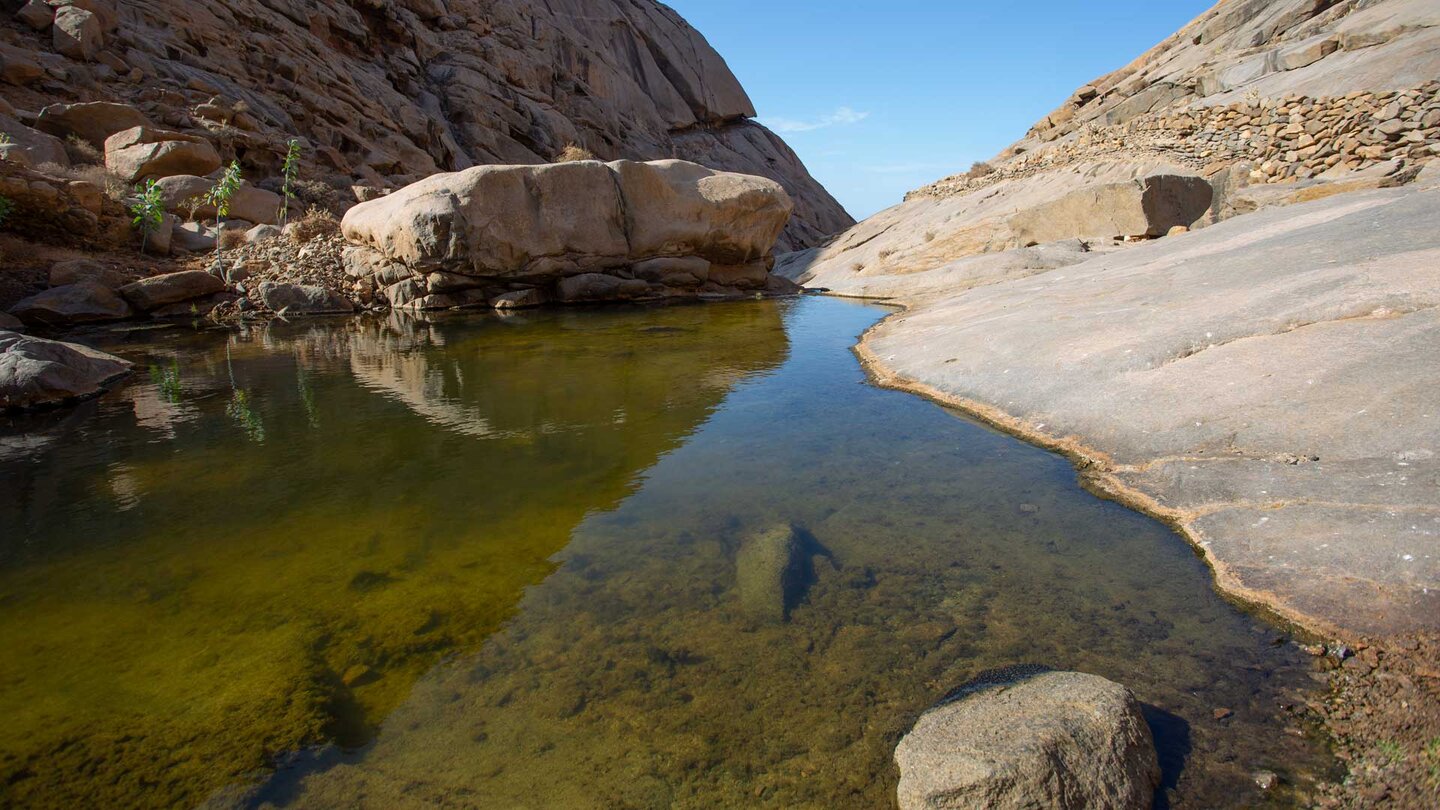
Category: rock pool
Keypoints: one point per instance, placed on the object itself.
(484, 561)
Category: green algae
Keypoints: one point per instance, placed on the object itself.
(190, 586)
(500, 563)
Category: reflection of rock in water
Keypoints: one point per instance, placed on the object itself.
(340, 559)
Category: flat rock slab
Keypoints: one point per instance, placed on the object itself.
(169, 288)
(1268, 383)
(68, 304)
(35, 373)
(1053, 739)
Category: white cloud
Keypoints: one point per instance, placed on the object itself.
(842, 115)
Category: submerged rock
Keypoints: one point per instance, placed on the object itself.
(1052, 739)
(772, 571)
(35, 372)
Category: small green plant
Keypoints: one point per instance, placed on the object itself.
(290, 171)
(1390, 750)
(224, 190)
(219, 196)
(149, 211)
(7, 206)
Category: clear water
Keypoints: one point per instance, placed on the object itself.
(491, 562)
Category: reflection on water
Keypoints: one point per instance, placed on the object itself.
(495, 562)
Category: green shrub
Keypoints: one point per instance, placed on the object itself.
(149, 211)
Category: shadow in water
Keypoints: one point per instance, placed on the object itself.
(1172, 744)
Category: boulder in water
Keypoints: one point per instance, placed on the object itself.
(35, 372)
(1031, 739)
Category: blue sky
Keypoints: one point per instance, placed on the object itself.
(882, 97)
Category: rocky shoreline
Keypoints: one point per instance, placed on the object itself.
(1382, 708)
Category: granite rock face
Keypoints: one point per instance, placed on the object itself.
(595, 231)
(1051, 739)
(386, 93)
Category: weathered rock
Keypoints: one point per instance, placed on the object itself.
(81, 302)
(74, 271)
(192, 237)
(77, 33)
(577, 223)
(301, 299)
(18, 66)
(1146, 207)
(262, 233)
(162, 238)
(37, 14)
(93, 121)
(30, 147)
(598, 287)
(1050, 739)
(169, 288)
(249, 203)
(36, 373)
(140, 152)
(10, 323)
(519, 299)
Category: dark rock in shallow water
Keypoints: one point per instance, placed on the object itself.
(1031, 739)
(773, 570)
(35, 372)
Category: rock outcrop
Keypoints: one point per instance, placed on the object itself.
(1050, 739)
(1299, 116)
(583, 231)
(385, 93)
(35, 372)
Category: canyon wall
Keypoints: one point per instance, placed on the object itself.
(386, 92)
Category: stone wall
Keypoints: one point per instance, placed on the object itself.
(1288, 138)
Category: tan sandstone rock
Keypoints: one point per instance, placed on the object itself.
(140, 152)
(569, 223)
(92, 121)
(170, 288)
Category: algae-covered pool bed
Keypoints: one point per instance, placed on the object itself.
(483, 561)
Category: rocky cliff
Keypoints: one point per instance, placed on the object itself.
(386, 92)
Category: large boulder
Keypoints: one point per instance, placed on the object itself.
(35, 372)
(302, 299)
(78, 33)
(1149, 206)
(249, 203)
(156, 291)
(1027, 740)
(143, 151)
(92, 121)
(81, 302)
(567, 222)
(30, 147)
